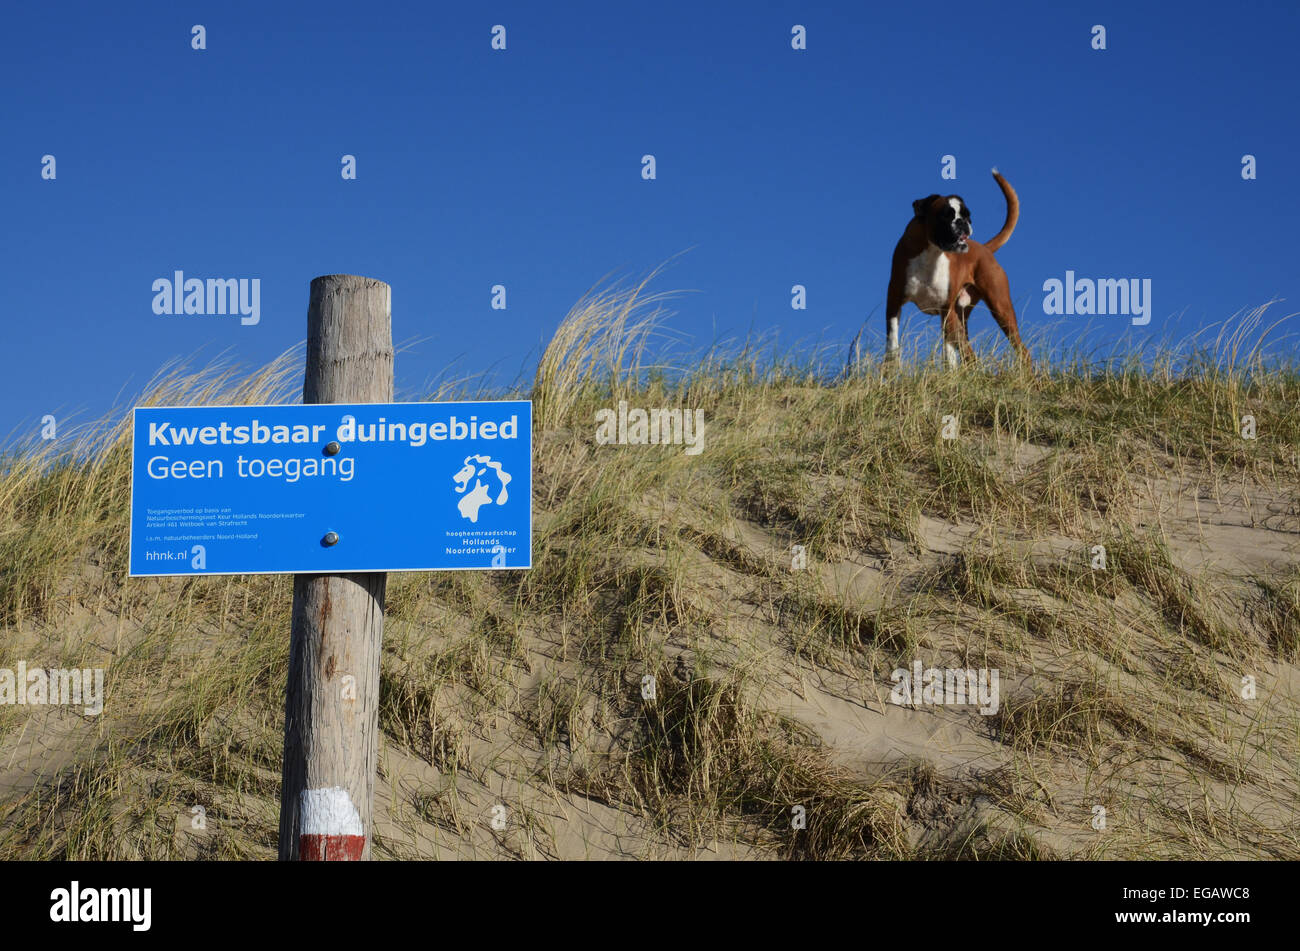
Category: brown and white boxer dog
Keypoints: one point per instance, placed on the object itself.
(942, 271)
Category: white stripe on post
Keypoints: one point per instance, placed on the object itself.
(331, 827)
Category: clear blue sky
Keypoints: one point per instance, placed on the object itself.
(523, 168)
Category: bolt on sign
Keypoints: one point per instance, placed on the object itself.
(331, 487)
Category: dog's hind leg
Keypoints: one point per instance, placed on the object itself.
(998, 299)
(1005, 314)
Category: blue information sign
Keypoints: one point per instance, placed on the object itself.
(331, 487)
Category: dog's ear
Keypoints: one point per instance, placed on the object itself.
(922, 205)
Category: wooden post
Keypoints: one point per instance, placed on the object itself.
(331, 709)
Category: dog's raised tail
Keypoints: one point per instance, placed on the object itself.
(1013, 213)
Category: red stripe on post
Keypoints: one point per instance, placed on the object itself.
(331, 848)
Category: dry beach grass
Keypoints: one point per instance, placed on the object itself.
(1121, 687)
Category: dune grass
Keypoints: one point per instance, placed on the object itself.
(1122, 685)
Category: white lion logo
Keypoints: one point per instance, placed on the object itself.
(477, 497)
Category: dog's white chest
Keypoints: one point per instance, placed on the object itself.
(926, 284)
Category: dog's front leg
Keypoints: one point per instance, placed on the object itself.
(893, 307)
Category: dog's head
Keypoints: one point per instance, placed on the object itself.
(946, 220)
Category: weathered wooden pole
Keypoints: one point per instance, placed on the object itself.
(331, 709)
